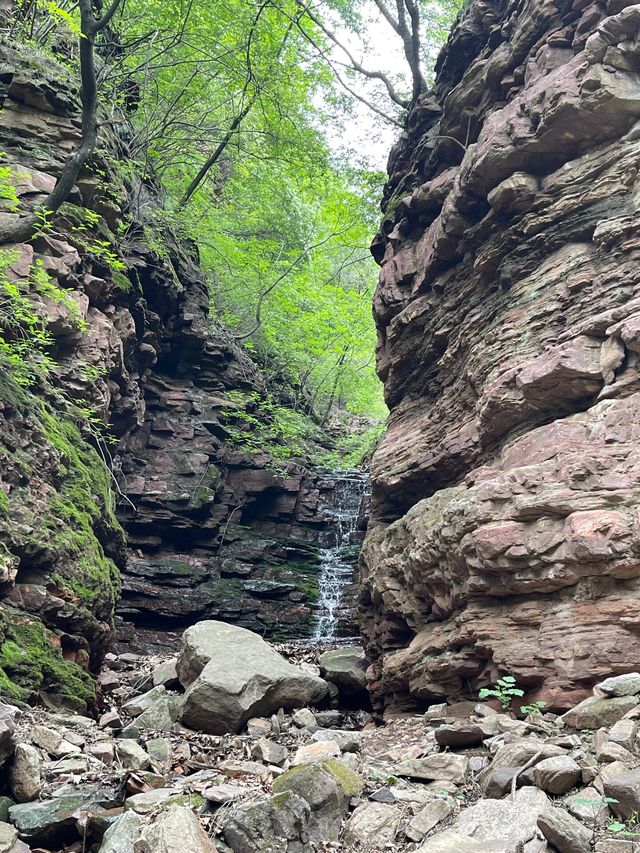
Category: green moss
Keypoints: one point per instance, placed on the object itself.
(281, 801)
(348, 780)
(58, 531)
(31, 661)
(10, 691)
(305, 775)
(82, 501)
(310, 590)
(229, 588)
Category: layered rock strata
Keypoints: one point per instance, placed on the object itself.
(505, 533)
(213, 531)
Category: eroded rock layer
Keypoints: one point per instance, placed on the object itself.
(505, 534)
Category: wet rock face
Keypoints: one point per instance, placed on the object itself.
(505, 534)
(238, 540)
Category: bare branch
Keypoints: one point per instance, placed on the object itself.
(217, 153)
(335, 71)
(102, 22)
(283, 275)
(355, 64)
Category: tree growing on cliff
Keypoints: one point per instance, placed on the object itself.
(93, 21)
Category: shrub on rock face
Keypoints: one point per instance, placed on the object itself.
(232, 674)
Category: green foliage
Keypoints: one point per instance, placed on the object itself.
(624, 829)
(353, 449)
(8, 195)
(504, 690)
(534, 709)
(24, 338)
(61, 16)
(257, 424)
(89, 232)
(282, 225)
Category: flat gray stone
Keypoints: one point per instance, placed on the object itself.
(132, 755)
(427, 818)
(348, 741)
(42, 821)
(566, 833)
(625, 788)
(455, 842)
(26, 773)
(8, 715)
(269, 752)
(8, 835)
(123, 834)
(346, 669)
(557, 775)
(443, 766)
(587, 805)
(510, 821)
(138, 704)
(175, 830)
(595, 712)
(373, 824)
(459, 735)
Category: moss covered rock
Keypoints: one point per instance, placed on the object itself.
(327, 787)
(61, 551)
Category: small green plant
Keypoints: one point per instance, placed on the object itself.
(624, 829)
(534, 709)
(505, 690)
(8, 193)
(596, 805)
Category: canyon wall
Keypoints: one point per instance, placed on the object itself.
(203, 528)
(505, 535)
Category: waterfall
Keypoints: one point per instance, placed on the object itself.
(338, 549)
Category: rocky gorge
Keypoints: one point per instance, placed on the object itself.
(175, 519)
(141, 708)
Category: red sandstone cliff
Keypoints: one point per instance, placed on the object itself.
(505, 533)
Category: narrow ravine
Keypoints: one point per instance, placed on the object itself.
(339, 551)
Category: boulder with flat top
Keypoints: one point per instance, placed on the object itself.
(231, 675)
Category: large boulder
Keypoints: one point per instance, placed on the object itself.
(232, 674)
(7, 727)
(327, 787)
(279, 823)
(346, 669)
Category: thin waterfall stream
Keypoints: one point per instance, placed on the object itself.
(339, 550)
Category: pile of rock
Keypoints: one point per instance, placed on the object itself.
(461, 778)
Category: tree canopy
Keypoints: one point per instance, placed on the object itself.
(238, 111)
